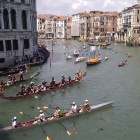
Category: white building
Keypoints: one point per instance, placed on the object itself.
(75, 26)
(129, 19)
(61, 28)
(18, 30)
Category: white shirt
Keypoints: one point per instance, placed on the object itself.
(74, 108)
(42, 116)
(14, 123)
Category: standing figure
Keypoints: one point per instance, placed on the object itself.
(21, 75)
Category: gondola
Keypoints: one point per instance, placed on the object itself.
(20, 81)
(48, 89)
(32, 123)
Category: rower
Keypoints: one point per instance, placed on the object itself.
(69, 79)
(122, 62)
(63, 80)
(44, 83)
(57, 112)
(32, 89)
(41, 116)
(52, 83)
(73, 109)
(14, 79)
(22, 89)
(85, 106)
(14, 122)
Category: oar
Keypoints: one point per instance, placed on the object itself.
(74, 123)
(22, 113)
(47, 137)
(46, 107)
(68, 132)
(43, 110)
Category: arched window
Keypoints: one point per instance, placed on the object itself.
(13, 18)
(24, 19)
(6, 19)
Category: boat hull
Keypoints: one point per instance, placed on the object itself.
(30, 123)
(93, 63)
(58, 85)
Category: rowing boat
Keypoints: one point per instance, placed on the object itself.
(31, 122)
(122, 64)
(48, 89)
(20, 81)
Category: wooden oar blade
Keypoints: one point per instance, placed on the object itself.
(21, 113)
(74, 128)
(46, 107)
(48, 138)
(69, 132)
(38, 108)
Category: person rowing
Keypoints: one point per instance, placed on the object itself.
(40, 118)
(63, 81)
(69, 79)
(22, 89)
(56, 114)
(14, 79)
(73, 110)
(52, 83)
(14, 122)
(85, 106)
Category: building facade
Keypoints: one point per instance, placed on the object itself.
(18, 30)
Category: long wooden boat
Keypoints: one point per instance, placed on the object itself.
(32, 123)
(48, 89)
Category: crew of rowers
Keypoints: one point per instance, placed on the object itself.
(58, 113)
(43, 86)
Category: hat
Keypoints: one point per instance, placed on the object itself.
(57, 107)
(32, 83)
(73, 103)
(40, 111)
(9, 75)
(15, 118)
(86, 100)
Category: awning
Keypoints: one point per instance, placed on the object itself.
(124, 28)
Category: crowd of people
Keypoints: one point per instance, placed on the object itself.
(75, 109)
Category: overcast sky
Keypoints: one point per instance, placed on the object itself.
(69, 7)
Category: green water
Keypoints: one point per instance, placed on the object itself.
(103, 82)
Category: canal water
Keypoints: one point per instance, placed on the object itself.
(104, 82)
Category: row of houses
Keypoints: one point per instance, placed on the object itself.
(99, 25)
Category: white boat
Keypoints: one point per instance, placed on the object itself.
(79, 59)
(68, 57)
(31, 122)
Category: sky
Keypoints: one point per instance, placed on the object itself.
(69, 7)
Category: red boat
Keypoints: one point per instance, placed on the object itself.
(122, 63)
(48, 89)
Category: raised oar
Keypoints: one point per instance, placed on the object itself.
(47, 137)
(68, 132)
